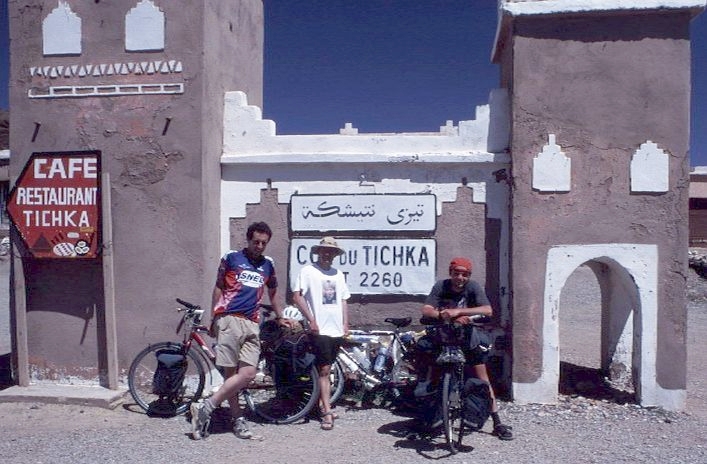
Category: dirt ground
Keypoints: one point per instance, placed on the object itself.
(584, 427)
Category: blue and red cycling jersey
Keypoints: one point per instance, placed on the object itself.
(242, 283)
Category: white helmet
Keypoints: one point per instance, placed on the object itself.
(292, 312)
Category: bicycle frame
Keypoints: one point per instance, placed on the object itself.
(450, 361)
(278, 396)
(192, 329)
(389, 374)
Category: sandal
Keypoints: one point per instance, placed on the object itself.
(503, 432)
(333, 414)
(327, 425)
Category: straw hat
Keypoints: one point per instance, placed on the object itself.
(328, 243)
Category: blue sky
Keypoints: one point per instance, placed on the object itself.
(389, 65)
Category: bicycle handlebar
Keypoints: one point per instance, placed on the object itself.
(187, 304)
(477, 320)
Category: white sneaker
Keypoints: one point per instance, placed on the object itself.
(200, 420)
(241, 430)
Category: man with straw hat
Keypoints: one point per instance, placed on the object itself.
(320, 292)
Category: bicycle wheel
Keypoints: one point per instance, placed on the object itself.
(452, 410)
(281, 397)
(338, 382)
(141, 375)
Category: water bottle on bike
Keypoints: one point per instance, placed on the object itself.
(381, 358)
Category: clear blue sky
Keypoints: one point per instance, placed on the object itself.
(389, 65)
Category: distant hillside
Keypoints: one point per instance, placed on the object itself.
(4, 130)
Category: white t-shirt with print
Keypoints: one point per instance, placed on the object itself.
(324, 292)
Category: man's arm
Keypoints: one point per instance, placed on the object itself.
(272, 295)
(303, 307)
(345, 314)
(430, 308)
(215, 297)
(210, 319)
(482, 306)
(430, 312)
(467, 313)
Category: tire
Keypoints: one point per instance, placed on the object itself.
(141, 374)
(452, 410)
(282, 400)
(338, 382)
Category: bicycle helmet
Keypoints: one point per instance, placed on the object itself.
(292, 312)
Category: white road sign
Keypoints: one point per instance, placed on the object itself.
(376, 266)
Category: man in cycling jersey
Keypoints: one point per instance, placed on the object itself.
(241, 281)
(460, 299)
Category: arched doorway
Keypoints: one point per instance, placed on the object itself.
(597, 306)
(627, 277)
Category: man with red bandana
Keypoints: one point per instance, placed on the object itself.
(241, 281)
(461, 300)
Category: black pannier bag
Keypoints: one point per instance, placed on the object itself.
(171, 368)
(476, 407)
(293, 356)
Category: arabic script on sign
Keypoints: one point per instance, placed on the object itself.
(363, 212)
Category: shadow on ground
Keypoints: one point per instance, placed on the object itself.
(590, 383)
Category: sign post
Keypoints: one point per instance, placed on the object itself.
(55, 204)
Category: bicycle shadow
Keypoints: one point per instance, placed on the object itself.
(354, 399)
(156, 409)
(222, 422)
(430, 446)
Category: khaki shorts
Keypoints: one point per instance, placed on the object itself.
(238, 342)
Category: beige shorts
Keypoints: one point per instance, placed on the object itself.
(238, 342)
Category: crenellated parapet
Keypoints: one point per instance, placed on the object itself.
(247, 137)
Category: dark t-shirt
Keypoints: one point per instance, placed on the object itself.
(443, 296)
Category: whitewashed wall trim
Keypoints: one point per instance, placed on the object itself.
(650, 169)
(552, 170)
(541, 7)
(255, 139)
(81, 91)
(144, 28)
(640, 262)
(107, 69)
(61, 31)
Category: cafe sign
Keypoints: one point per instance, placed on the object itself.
(55, 204)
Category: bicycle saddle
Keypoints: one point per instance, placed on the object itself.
(399, 321)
